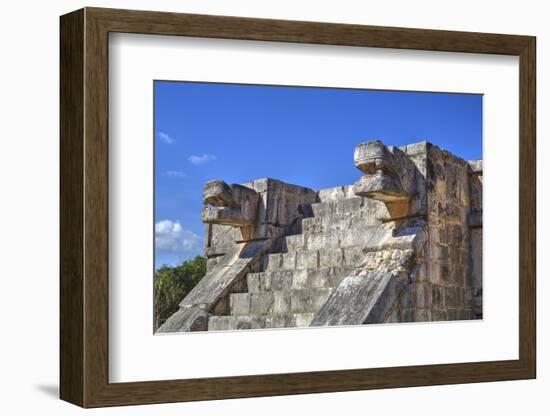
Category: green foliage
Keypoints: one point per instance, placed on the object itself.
(172, 284)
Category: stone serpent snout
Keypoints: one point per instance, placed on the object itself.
(234, 205)
(387, 173)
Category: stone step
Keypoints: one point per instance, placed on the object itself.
(232, 323)
(313, 259)
(360, 236)
(336, 193)
(279, 301)
(321, 209)
(345, 221)
(324, 277)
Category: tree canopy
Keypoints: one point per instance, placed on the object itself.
(172, 284)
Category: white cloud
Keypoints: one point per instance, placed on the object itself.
(176, 173)
(199, 160)
(171, 237)
(165, 138)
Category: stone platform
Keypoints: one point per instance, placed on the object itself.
(402, 244)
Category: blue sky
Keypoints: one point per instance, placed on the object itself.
(304, 136)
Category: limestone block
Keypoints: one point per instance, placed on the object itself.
(437, 296)
(419, 148)
(330, 257)
(348, 206)
(281, 302)
(307, 259)
(335, 194)
(467, 295)
(452, 299)
(261, 303)
(476, 241)
(355, 237)
(284, 279)
(295, 242)
(303, 319)
(360, 299)
(439, 315)
(422, 315)
(185, 320)
(406, 298)
(422, 295)
(452, 314)
(211, 263)
(220, 239)
(393, 316)
(323, 277)
(308, 300)
(300, 301)
(465, 314)
(323, 240)
(254, 282)
(313, 225)
(273, 261)
(289, 260)
(420, 272)
(353, 255)
(322, 209)
(407, 315)
(239, 303)
(445, 273)
(300, 278)
(222, 323)
(476, 166)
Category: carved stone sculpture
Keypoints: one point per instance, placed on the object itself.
(234, 205)
(388, 176)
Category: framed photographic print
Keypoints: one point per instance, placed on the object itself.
(255, 207)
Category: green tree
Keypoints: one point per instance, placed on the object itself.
(172, 284)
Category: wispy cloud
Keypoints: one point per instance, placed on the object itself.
(165, 138)
(171, 237)
(199, 160)
(176, 173)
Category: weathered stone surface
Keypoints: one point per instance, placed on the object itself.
(231, 268)
(216, 285)
(401, 245)
(476, 166)
(391, 176)
(185, 320)
(381, 186)
(338, 193)
(476, 272)
(324, 277)
(234, 205)
(232, 323)
(356, 297)
(263, 208)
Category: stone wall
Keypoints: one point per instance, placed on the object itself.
(448, 254)
(476, 236)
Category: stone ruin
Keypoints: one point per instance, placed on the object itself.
(402, 244)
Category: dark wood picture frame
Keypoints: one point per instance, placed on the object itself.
(84, 207)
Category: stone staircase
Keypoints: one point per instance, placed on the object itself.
(294, 284)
